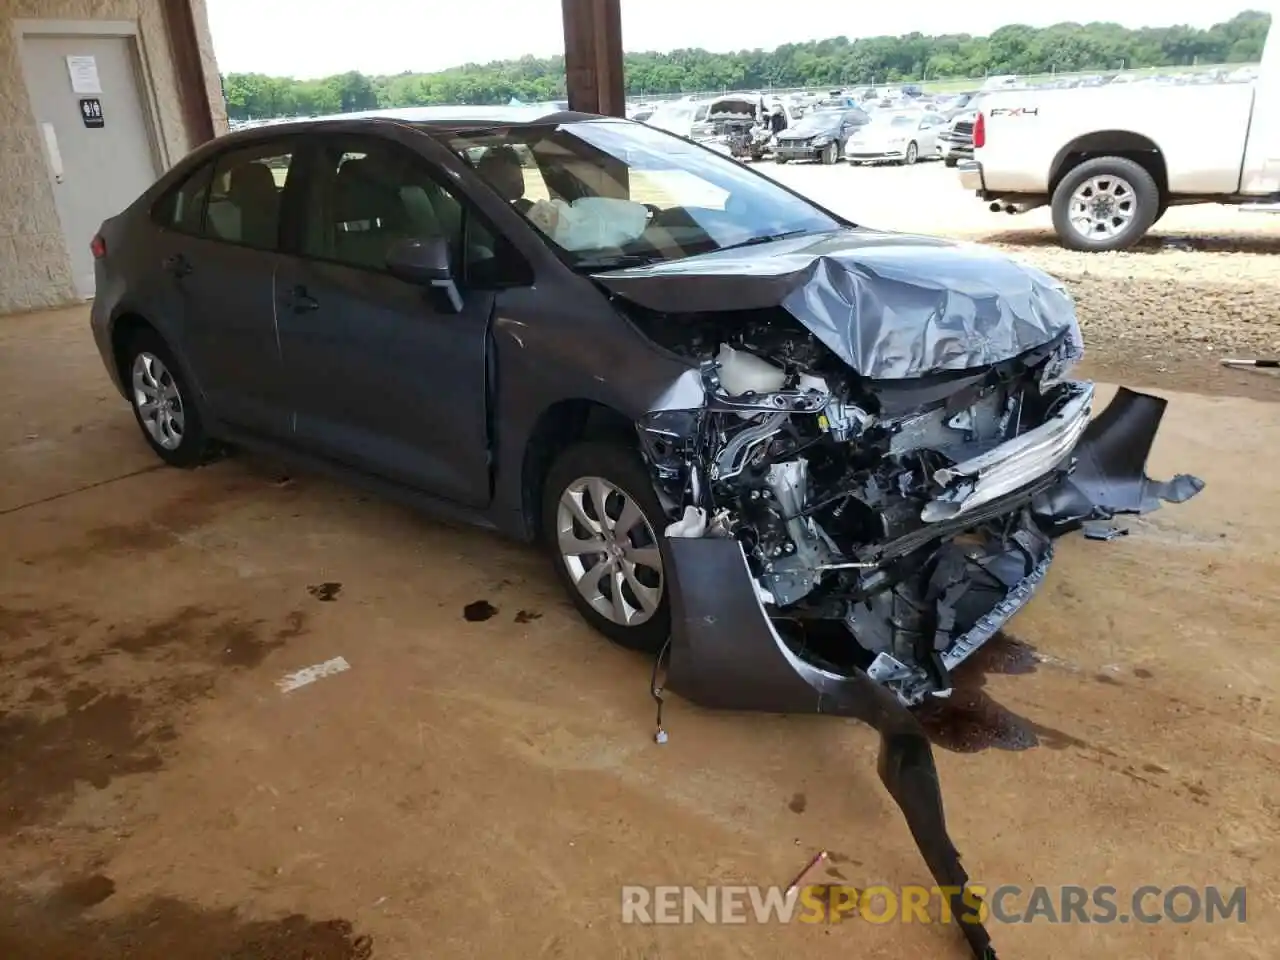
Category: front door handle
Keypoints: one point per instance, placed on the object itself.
(299, 301)
(178, 265)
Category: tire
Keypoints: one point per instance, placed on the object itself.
(912, 154)
(830, 154)
(779, 159)
(1129, 182)
(950, 161)
(176, 432)
(581, 473)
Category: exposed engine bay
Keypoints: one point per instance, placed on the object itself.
(865, 462)
(888, 525)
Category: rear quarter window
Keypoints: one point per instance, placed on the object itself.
(182, 208)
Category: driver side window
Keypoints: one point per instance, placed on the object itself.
(368, 194)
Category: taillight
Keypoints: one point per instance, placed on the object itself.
(98, 247)
(980, 131)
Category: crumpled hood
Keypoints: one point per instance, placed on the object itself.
(892, 306)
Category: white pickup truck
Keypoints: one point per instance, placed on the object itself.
(1110, 160)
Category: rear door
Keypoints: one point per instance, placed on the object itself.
(219, 251)
(383, 375)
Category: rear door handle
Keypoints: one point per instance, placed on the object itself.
(178, 265)
(299, 301)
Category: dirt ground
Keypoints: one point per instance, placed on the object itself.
(484, 786)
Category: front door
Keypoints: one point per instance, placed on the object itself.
(386, 377)
(94, 133)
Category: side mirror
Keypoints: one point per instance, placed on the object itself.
(425, 263)
(422, 262)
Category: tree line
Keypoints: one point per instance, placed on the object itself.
(1014, 49)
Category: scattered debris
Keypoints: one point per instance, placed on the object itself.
(1253, 364)
(528, 616)
(820, 856)
(300, 678)
(325, 592)
(1102, 530)
(478, 611)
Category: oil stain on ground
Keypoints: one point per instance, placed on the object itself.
(59, 734)
(970, 721)
(478, 611)
(163, 929)
(325, 592)
(97, 737)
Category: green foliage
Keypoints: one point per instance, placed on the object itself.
(1064, 47)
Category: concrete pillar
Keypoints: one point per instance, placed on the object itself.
(184, 44)
(593, 56)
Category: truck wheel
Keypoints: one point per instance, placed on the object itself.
(830, 153)
(950, 161)
(1107, 203)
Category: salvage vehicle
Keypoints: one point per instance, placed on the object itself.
(811, 467)
(896, 138)
(1110, 160)
(820, 135)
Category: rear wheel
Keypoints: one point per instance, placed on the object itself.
(162, 401)
(1107, 203)
(950, 161)
(602, 525)
(912, 154)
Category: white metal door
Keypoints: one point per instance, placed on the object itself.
(88, 102)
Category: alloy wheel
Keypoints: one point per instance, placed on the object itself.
(610, 551)
(1102, 207)
(158, 401)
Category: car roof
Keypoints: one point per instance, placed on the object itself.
(435, 121)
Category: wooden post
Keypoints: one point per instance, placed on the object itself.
(593, 56)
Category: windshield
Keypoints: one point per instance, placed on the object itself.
(608, 193)
(818, 121)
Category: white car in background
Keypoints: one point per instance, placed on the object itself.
(903, 137)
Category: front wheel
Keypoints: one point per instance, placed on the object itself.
(830, 154)
(602, 525)
(1106, 203)
(912, 154)
(162, 401)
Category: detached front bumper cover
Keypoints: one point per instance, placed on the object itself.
(726, 653)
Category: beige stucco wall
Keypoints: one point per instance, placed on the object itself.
(35, 270)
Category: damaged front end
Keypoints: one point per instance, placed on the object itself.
(863, 490)
(887, 529)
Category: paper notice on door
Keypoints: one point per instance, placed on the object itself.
(84, 74)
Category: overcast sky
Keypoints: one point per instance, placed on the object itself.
(317, 38)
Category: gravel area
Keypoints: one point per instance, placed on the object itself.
(1203, 285)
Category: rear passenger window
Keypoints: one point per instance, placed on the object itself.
(245, 196)
(183, 209)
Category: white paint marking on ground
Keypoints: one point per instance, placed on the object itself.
(300, 678)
